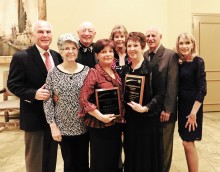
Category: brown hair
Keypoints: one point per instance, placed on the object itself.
(137, 36)
(101, 44)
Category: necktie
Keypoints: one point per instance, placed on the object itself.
(48, 62)
(151, 54)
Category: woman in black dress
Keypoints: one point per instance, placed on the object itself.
(192, 90)
(142, 121)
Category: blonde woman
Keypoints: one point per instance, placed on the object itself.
(119, 35)
(192, 90)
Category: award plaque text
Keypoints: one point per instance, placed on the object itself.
(134, 88)
(108, 101)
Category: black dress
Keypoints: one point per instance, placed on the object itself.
(192, 87)
(142, 129)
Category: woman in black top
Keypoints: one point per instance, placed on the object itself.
(118, 35)
(192, 90)
(142, 121)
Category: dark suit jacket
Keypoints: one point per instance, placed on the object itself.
(168, 64)
(27, 74)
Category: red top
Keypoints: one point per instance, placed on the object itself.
(97, 78)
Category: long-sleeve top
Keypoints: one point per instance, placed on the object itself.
(86, 56)
(96, 79)
(65, 111)
(193, 77)
(154, 90)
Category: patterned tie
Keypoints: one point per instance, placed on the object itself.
(151, 54)
(48, 62)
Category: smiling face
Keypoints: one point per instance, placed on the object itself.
(134, 50)
(119, 39)
(153, 38)
(69, 51)
(105, 56)
(42, 34)
(86, 33)
(185, 47)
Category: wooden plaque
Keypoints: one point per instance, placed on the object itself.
(108, 101)
(134, 88)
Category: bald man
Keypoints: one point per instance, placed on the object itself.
(168, 65)
(26, 80)
(86, 34)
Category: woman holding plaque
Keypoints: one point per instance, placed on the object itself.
(104, 129)
(142, 117)
(192, 90)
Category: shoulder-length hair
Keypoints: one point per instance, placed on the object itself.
(190, 38)
(118, 29)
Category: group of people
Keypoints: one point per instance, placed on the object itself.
(58, 103)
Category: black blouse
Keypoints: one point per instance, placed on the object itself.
(154, 88)
(193, 77)
(116, 65)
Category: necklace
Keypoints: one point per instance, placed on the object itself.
(137, 66)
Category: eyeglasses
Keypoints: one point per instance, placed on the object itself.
(67, 49)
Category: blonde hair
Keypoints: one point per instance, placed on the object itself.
(118, 29)
(189, 37)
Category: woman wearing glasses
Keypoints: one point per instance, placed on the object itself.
(67, 127)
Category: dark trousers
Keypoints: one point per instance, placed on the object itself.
(166, 136)
(74, 151)
(40, 151)
(105, 146)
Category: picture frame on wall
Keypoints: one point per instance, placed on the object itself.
(16, 19)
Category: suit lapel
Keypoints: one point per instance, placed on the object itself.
(158, 55)
(36, 57)
(54, 56)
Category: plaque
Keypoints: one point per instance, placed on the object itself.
(134, 88)
(108, 101)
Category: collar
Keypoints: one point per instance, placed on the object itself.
(116, 82)
(42, 51)
(85, 49)
(155, 51)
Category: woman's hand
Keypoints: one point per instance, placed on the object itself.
(56, 133)
(137, 107)
(106, 118)
(191, 122)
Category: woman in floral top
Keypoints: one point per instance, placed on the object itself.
(104, 129)
(67, 127)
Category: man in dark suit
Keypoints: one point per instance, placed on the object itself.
(168, 65)
(86, 34)
(26, 80)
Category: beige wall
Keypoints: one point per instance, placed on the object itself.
(172, 16)
(135, 15)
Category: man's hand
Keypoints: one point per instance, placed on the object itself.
(42, 93)
(164, 116)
